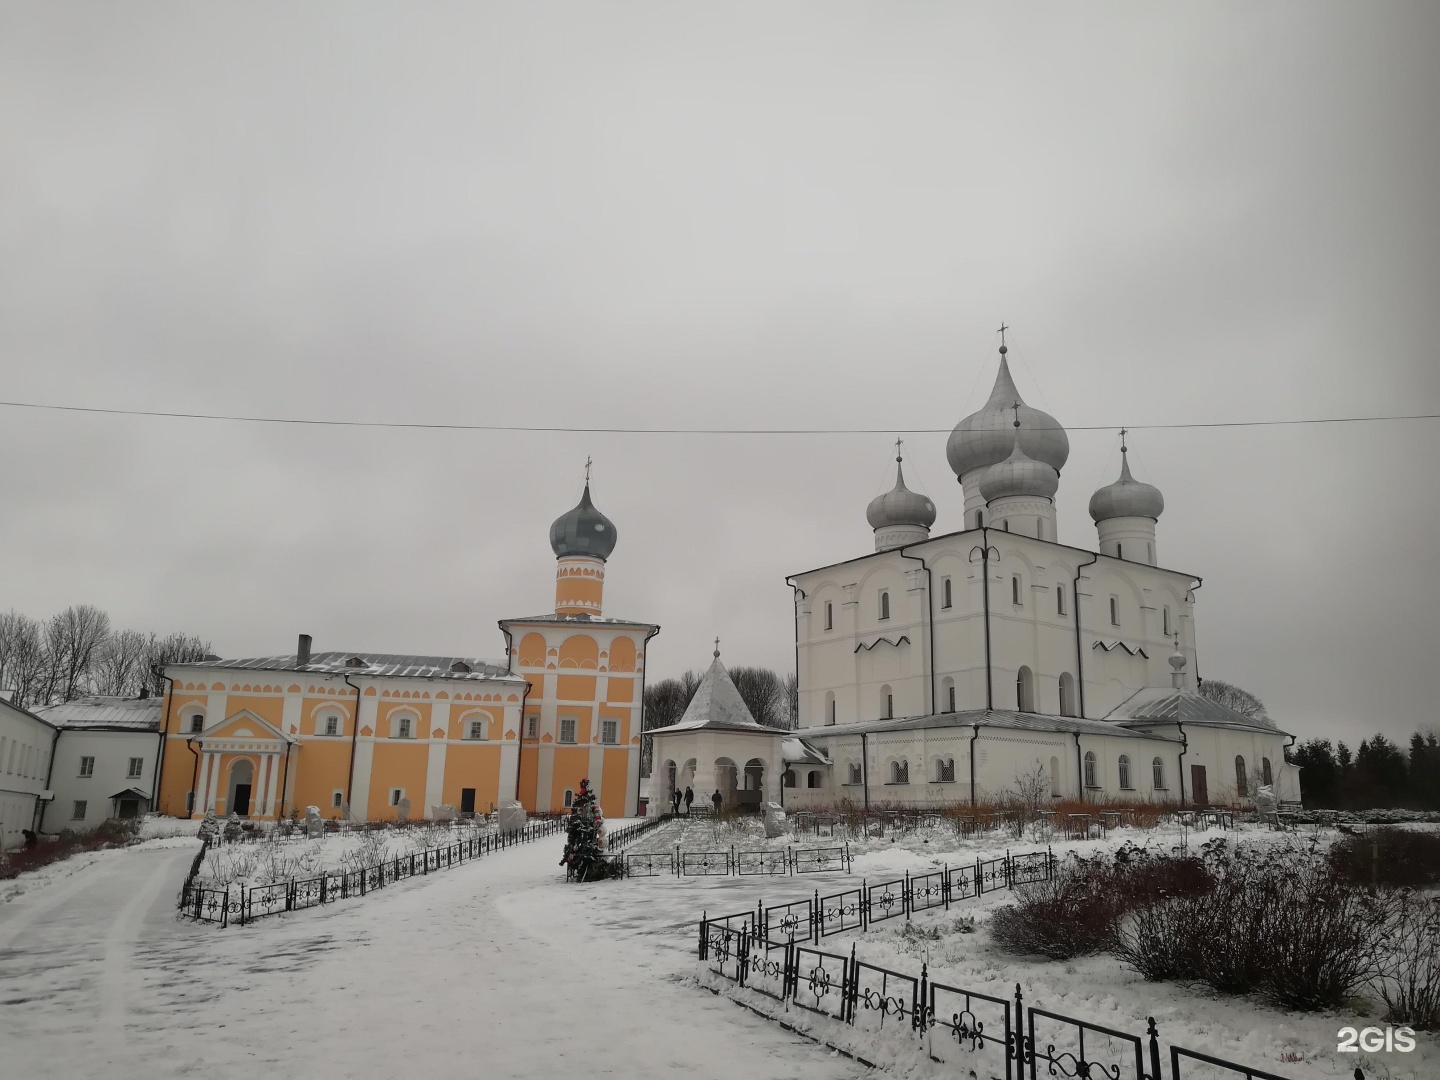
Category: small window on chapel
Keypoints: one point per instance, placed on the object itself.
(1114, 611)
(477, 729)
(1015, 590)
(197, 723)
(332, 725)
(945, 595)
(1059, 599)
(884, 605)
(1167, 622)
(829, 616)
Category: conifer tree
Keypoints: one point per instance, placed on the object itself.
(584, 844)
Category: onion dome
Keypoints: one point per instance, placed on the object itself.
(583, 531)
(986, 437)
(1019, 474)
(900, 506)
(1126, 497)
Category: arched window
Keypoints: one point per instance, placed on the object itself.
(884, 604)
(569, 798)
(476, 730)
(1054, 777)
(670, 775)
(1157, 774)
(1090, 781)
(1067, 694)
(1124, 770)
(1059, 599)
(1114, 611)
(813, 780)
(857, 773)
(1265, 776)
(829, 615)
(900, 772)
(830, 707)
(945, 594)
(1240, 776)
(1167, 621)
(1040, 528)
(979, 519)
(1024, 690)
(402, 728)
(945, 771)
(788, 778)
(887, 703)
(949, 687)
(1015, 589)
(332, 725)
(197, 722)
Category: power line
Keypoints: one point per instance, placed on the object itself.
(561, 428)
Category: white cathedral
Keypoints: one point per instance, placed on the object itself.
(949, 670)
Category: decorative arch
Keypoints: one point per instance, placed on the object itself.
(472, 717)
(1025, 689)
(579, 651)
(622, 654)
(393, 723)
(1067, 694)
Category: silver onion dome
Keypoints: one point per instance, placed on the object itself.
(583, 531)
(986, 437)
(1019, 474)
(1126, 497)
(900, 506)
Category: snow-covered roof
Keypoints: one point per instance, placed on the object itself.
(717, 706)
(985, 718)
(388, 665)
(796, 751)
(131, 714)
(551, 619)
(1164, 704)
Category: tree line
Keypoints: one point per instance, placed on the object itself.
(773, 700)
(77, 653)
(1378, 774)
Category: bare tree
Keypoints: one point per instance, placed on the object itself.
(171, 649)
(792, 698)
(763, 692)
(22, 658)
(1233, 697)
(665, 703)
(1032, 788)
(120, 664)
(73, 640)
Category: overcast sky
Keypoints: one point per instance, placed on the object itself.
(724, 215)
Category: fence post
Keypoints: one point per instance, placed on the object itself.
(1154, 1049)
(1019, 1034)
(979, 879)
(919, 1006)
(849, 987)
(864, 908)
(704, 934)
(744, 956)
(815, 915)
(225, 909)
(362, 881)
(324, 879)
(945, 886)
(1009, 871)
(905, 896)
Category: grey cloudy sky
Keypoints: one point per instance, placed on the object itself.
(724, 215)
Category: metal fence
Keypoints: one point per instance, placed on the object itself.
(238, 904)
(967, 1029)
(760, 862)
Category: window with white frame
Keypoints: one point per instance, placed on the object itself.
(1157, 774)
(900, 772)
(945, 770)
(477, 729)
(857, 774)
(87, 766)
(884, 604)
(137, 766)
(197, 723)
(610, 732)
(946, 597)
(402, 728)
(332, 725)
(567, 729)
(532, 726)
(77, 812)
(1123, 767)
(336, 798)
(569, 798)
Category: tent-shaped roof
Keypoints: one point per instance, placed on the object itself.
(717, 706)
(796, 751)
(1164, 704)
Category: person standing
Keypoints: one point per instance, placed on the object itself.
(717, 800)
(675, 802)
(689, 798)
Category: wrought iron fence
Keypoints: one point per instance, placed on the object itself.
(240, 904)
(620, 839)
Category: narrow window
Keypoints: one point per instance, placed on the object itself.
(78, 812)
(1240, 777)
(1114, 611)
(567, 729)
(829, 615)
(1167, 622)
(136, 766)
(1090, 769)
(1040, 528)
(396, 794)
(1119, 551)
(1059, 599)
(884, 605)
(950, 698)
(1265, 777)
(569, 798)
(332, 725)
(477, 729)
(945, 595)
(1124, 770)
(1015, 590)
(1067, 694)
(403, 731)
(197, 723)
(87, 766)
(1157, 774)
(813, 780)
(532, 726)
(830, 708)
(610, 732)
(1054, 777)
(336, 798)
(979, 519)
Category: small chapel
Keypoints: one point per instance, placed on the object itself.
(958, 668)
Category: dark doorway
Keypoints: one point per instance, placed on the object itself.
(467, 800)
(1198, 793)
(242, 800)
(129, 808)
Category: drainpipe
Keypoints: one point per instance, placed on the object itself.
(929, 622)
(37, 821)
(645, 670)
(974, 734)
(985, 567)
(798, 594)
(1079, 765)
(284, 780)
(865, 767)
(194, 776)
(1184, 747)
(520, 748)
(158, 671)
(1195, 645)
(354, 739)
(1079, 651)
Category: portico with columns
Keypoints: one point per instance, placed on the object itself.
(242, 767)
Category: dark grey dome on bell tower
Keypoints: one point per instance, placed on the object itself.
(583, 531)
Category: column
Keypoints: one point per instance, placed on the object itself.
(212, 781)
(273, 763)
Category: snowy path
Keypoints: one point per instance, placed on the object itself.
(491, 969)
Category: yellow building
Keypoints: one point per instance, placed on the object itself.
(373, 733)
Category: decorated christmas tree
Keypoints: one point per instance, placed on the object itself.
(584, 846)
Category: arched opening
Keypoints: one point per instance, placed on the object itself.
(1265, 776)
(945, 770)
(671, 773)
(754, 774)
(1067, 694)
(1240, 785)
(1090, 777)
(1123, 767)
(812, 780)
(242, 778)
(787, 778)
(687, 774)
(900, 772)
(1055, 778)
(1025, 690)
(727, 782)
(1157, 774)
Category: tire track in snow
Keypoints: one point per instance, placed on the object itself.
(121, 937)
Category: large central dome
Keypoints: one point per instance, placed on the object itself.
(986, 437)
(583, 530)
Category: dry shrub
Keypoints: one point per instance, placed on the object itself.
(1409, 977)
(1074, 913)
(1399, 858)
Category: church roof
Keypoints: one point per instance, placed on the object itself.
(717, 706)
(386, 665)
(796, 751)
(991, 718)
(1164, 704)
(551, 619)
(130, 714)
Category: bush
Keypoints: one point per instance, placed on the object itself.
(1409, 977)
(1075, 913)
(1399, 858)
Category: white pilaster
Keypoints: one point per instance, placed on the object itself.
(273, 763)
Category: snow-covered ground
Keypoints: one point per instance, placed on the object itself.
(498, 968)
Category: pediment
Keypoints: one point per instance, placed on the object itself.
(243, 726)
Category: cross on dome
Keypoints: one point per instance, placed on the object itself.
(717, 648)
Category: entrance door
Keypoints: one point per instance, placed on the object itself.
(129, 808)
(1200, 796)
(242, 800)
(467, 800)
